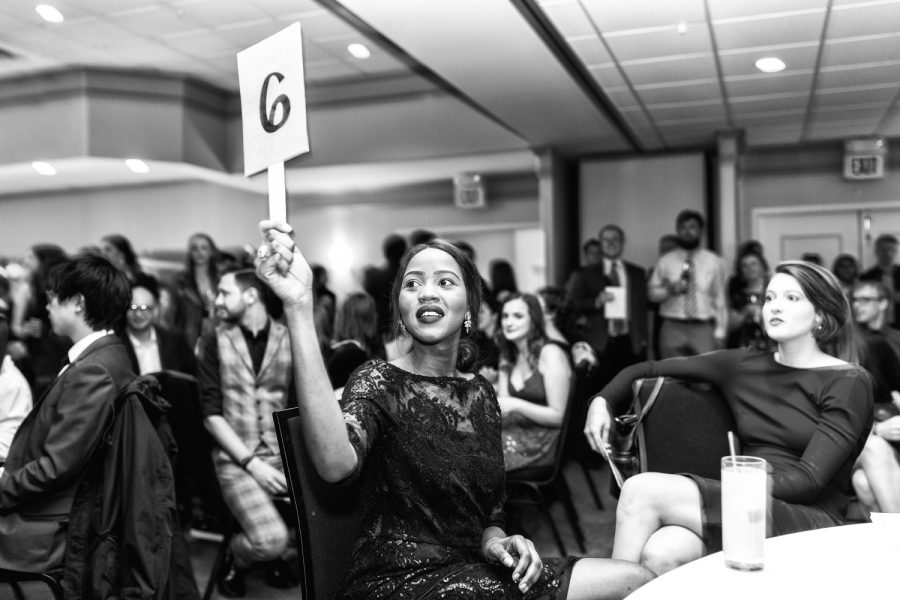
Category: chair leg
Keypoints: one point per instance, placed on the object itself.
(54, 586)
(565, 496)
(545, 510)
(591, 486)
(218, 563)
(17, 591)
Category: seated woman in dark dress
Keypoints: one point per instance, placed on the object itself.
(805, 411)
(356, 338)
(423, 432)
(534, 383)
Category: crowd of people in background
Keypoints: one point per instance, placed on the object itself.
(220, 334)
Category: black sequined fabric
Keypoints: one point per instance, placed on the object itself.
(431, 457)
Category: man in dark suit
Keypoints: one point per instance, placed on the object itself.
(611, 285)
(52, 449)
(166, 354)
(887, 273)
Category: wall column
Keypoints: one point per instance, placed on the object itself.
(558, 208)
(727, 197)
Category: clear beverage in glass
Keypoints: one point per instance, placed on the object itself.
(744, 500)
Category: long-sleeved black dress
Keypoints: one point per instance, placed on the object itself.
(430, 451)
(809, 424)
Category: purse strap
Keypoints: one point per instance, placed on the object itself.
(654, 393)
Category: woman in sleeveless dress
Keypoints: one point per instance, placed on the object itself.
(534, 384)
(423, 434)
(805, 411)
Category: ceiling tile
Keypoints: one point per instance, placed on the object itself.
(680, 93)
(641, 14)
(636, 46)
(250, 33)
(729, 9)
(860, 75)
(769, 103)
(854, 96)
(202, 44)
(711, 109)
(864, 19)
(849, 51)
(764, 83)
(791, 28)
(608, 77)
(670, 69)
(871, 115)
(772, 135)
(217, 13)
(151, 20)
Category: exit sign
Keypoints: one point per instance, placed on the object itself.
(864, 166)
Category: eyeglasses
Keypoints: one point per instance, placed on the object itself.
(865, 299)
(141, 307)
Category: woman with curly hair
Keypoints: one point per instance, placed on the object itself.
(534, 383)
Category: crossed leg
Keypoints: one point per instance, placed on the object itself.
(658, 522)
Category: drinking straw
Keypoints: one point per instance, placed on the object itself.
(731, 447)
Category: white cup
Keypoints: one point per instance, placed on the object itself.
(744, 502)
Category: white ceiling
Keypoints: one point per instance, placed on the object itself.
(585, 76)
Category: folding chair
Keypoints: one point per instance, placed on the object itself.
(686, 430)
(14, 578)
(327, 514)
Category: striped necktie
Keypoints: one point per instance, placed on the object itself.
(690, 294)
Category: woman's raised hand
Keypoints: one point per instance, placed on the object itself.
(282, 266)
(596, 428)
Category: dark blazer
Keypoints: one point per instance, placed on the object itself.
(50, 453)
(583, 287)
(174, 352)
(875, 274)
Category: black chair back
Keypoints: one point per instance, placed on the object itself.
(327, 514)
(686, 430)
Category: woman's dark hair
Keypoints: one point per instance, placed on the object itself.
(121, 243)
(740, 258)
(503, 278)
(4, 336)
(468, 358)
(358, 320)
(105, 289)
(824, 291)
(537, 335)
(845, 259)
(48, 256)
(214, 257)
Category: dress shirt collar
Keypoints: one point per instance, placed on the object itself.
(81, 345)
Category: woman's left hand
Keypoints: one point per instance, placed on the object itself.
(517, 553)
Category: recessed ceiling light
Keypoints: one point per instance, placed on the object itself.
(359, 51)
(770, 64)
(49, 13)
(44, 168)
(137, 165)
(681, 28)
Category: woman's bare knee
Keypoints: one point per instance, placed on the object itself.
(602, 579)
(671, 547)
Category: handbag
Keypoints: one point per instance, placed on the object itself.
(623, 453)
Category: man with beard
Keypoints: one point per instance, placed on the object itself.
(689, 285)
(244, 372)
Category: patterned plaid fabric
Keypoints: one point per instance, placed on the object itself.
(248, 398)
(264, 534)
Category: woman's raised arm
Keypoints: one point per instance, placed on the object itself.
(284, 269)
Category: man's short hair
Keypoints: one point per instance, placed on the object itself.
(886, 238)
(612, 227)
(246, 279)
(875, 282)
(689, 215)
(105, 289)
(148, 282)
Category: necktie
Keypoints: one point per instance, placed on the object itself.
(690, 296)
(616, 326)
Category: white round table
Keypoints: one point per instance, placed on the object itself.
(847, 562)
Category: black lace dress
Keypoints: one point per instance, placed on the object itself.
(430, 453)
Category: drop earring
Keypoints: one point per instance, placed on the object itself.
(402, 329)
(467, 322)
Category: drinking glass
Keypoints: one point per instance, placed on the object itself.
(744, 501)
